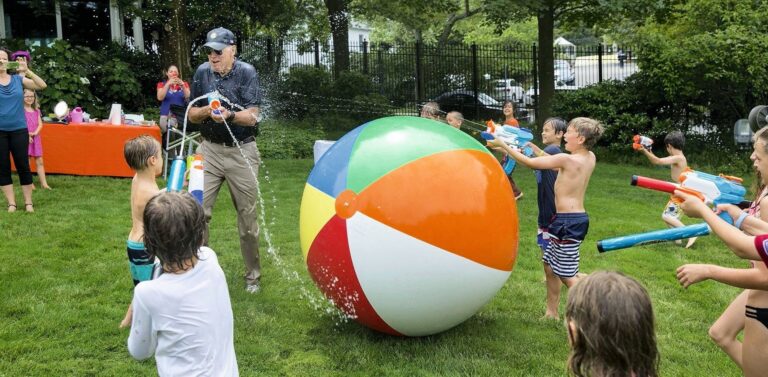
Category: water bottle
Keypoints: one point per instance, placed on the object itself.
(176, 177)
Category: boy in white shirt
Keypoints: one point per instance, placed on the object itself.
(184, 316)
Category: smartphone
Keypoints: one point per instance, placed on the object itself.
(12, 65)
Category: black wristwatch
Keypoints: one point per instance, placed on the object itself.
(231, 116)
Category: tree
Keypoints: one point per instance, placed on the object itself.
(338, 20)
(548, 13)
(179, 27)
(435, 20)
(708, 56)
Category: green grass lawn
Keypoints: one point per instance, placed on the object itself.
(65, 287)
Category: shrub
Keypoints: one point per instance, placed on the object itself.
(639, 106)
(68, 72)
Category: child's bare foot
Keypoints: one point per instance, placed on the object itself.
(550, 315)
(691, 242)
(126, 322)
(45, 186)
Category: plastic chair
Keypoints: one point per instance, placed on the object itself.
(191, 139)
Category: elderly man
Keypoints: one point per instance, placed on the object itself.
(238, 84)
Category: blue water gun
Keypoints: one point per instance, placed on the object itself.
(513, 136)
(711, 189)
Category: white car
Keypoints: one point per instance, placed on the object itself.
(508, 89)
(530, 95)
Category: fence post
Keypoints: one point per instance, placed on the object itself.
(365, 57)
(317, 53)
(475, 78)
(380, 68)
(600, 63)
(535, 72)
(419, 76)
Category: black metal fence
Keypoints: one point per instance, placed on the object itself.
(410, 74)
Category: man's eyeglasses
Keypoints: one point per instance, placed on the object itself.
(217, 52)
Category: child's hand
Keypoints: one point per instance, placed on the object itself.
(535, 148)
(496, 143)
(732, 210)
(691, 205)
(689, 274)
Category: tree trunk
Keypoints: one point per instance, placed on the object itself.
(546, 21)
(175, 42)
(337, 17)
(451, 22)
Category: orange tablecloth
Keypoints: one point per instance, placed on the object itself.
(89, 148)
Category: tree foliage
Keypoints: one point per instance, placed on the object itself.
(708, 56)
(181, 26)
(419, 21)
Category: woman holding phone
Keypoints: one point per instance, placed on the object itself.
(172, 91)
(14, 137)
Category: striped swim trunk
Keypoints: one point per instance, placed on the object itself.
(141, 263)
(566, 232)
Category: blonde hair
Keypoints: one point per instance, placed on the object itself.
(614, 327)
(589, 128)
(138, 150)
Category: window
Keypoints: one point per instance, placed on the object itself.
(33, 20)
(86, 23)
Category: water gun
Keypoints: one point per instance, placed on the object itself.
(709, 188)
(215, 102)
(196, 177)
(640, 142)
(513, 136)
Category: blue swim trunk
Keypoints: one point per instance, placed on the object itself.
(141, 263)
(566, 233)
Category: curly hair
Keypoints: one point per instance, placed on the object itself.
(614, 327)
(174, 229)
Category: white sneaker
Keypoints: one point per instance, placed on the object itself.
(253, 288)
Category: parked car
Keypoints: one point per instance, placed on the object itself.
(508, 89)
(464, 101)
(564, 73)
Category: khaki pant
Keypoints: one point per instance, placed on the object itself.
(226, 163)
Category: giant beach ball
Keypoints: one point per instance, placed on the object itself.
(408, 225)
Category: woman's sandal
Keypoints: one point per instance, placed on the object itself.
(11, 208)
(29, 207)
